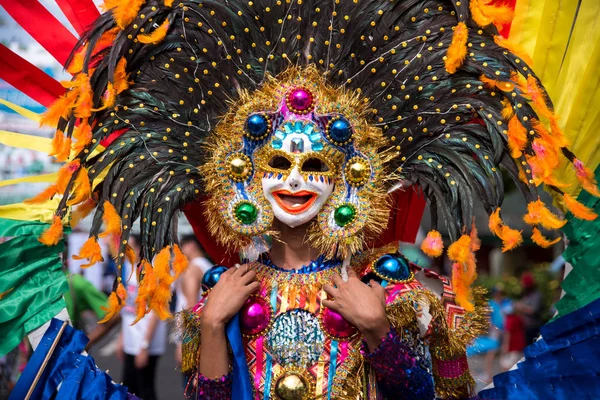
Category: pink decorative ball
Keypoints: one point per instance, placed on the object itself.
(255, 315)
(336, 325)
(300, 100)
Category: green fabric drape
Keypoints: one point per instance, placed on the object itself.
(32, 282)
(582, 285)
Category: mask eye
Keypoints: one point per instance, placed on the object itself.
(313, 164)
(280, 162)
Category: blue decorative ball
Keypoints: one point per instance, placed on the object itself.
(257, 125)
(340, 130)
(211, 277)
(393, 266)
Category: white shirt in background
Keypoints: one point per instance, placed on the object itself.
(198, 262)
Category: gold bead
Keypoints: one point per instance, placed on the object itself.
(291, 387)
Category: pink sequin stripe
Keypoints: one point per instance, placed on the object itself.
(259, 365)
(343, 353)
(452, 369)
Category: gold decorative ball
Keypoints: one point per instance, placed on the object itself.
(238, 166)
(357, 171)
(291, 387)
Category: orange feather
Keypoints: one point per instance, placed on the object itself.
(538, 214)
(457, 51)
(586, 178)
(53, 234)
(65, 174)
(517, 137)
(157, 35)
(82, 211)
(91, 252)
(169, 3)
(57, 142)
(124, 11)
(43, 196)
(542, 241)
(579, 210)
(61, 108)
(180, 263)
(538, 97)
(484, 13)
(112, 220)
(121, 77)
(82, 188)
(459, 251)
(83, 135)
(114, 308)
(65, 151)
(130, 254)
(513, 48)
(433, 245)
(147, 287)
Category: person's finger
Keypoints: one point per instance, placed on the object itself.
(377, 287)
(331, 304)
(337, 280)
(352, 273)
(253, 287)
(248, 277)
(241, 270)
(330, 290)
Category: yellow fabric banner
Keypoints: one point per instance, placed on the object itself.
(23, 111)
(563, 39)
(23, 141)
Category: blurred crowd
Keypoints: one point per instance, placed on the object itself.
(139, 346)
(514, 324)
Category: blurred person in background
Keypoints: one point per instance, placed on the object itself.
(189, 285)
(530, 307)
(141, 345)
(491, 343)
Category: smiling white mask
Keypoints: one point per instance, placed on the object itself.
(297, 178)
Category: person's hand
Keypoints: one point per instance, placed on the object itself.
(361, 305)
(229, 294)
(141, 360)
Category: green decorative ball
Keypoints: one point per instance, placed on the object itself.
(345, 214)
(246, 213)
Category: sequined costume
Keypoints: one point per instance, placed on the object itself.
(323, 114)
(292, 341)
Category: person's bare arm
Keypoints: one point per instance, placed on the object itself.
(141, 360)
(191, 283)
(102, 330)
(225, 299)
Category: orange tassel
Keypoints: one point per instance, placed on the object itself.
(433, 245)
(53, 234)
(124, 12)
(495, 84)
(180, 263)
(459, 251)
(513, 48)
(160, 301)
(83, 187)
(157, 35)
(43, 196)
(538, 97)
(121, 292)
(82, 211)
(579, 210)
(65, 152)
(511, 238)
(61, 108)
(91, 252)
(57, 143)
(84, 104)
(517, 137)
(542, 241)
(484, 13)
(460, 286)
(83, 135)
(130, 254)
(538, 214)
(65, 174)
(121, 77)
(114, 308)
(161, 264)
(586, 178)
(112, 220)
(457, 51)
(147, 287)
(557, 133)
